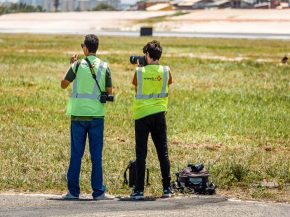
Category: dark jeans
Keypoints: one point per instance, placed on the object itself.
(156, 125)
(79, 131)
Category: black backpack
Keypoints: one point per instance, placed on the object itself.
(195, 179)
(132, 174)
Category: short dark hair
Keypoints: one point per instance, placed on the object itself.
(154, 49)
(92, 43)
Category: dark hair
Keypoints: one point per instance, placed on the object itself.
(154, 49)
(92, 43)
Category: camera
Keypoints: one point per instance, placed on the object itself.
(104, 97)
(196, 167)
(138, 59)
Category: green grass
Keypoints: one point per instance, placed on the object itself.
(234, 116)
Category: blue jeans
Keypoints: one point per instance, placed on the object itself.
(79, 131)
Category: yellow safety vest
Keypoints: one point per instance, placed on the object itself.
(85, 95)
(152, 90)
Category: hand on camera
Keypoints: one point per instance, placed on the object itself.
(74, 58)
(139, 64)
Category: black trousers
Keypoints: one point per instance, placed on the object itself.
(156, 125)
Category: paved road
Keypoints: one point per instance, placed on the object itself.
(266, 24)
(210, 206)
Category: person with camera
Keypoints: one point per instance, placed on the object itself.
(151, 81)
(92, 87)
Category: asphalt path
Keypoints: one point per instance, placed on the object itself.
(254, 24)
(24, 205)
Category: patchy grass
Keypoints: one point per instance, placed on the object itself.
(231, 115)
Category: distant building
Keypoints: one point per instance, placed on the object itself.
(84, 5)
(152, 5)
(202, 4)
(191, 4)
(219, 4)
(32, 2)
(160, 7)
(242, 4)
(48, 5)
(275, 3)
(68, 5)
(143, 5)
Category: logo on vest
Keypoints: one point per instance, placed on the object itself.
(158, 78)
(84, 64)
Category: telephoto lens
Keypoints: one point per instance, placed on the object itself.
(141, 60)
(110, 98)
(104, 97)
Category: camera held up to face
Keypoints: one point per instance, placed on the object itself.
(140, 60)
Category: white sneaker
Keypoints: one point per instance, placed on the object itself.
(104, 197)
(69, 196)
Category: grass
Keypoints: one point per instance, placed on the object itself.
(231, 115)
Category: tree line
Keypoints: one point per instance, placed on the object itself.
(18, 8)
(24, 8)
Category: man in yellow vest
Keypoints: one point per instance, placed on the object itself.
(150, 105)
(87, 115)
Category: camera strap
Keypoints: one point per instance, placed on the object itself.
(93, 73)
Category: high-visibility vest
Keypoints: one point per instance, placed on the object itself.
(84, 100)
(152, 90)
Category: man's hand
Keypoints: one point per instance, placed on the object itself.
(138, 64)
(64, 84)
(74, 58)
(109, 90)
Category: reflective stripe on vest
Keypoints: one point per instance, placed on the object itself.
(88, 95)
(148, 96)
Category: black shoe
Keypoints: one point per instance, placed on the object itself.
(167, 192)
(137, 195)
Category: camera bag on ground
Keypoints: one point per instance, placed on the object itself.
(193, 179)
(132, 174)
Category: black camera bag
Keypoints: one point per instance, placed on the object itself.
(194, 178)
(132, 174)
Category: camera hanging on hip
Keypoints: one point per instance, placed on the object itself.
(104, 97)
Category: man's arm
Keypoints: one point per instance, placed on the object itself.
(170, 79)
(134, 82)
(70, 75)
(109, 88)
(68, 78)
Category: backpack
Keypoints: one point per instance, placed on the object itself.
(194, 178)
(132, 174)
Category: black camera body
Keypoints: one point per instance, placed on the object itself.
(138, 59)
(104, 97)
(196, 167)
